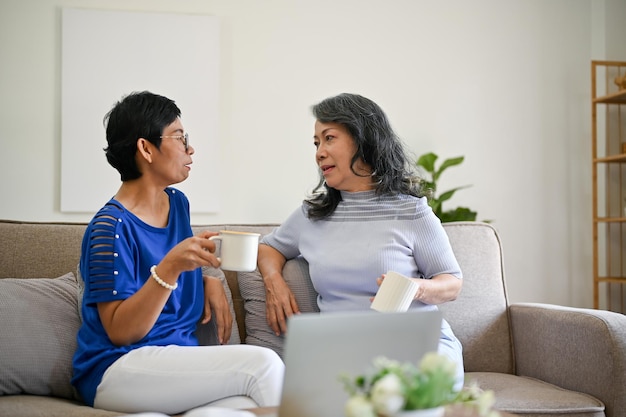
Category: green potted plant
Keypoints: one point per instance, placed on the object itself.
(394, 389)
(426, 163)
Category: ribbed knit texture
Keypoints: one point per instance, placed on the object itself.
(367, 236)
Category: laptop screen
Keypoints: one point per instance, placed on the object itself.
(321, 347)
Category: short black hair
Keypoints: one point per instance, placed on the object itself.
(137, 115)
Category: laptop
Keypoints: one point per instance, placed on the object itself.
(320, 347)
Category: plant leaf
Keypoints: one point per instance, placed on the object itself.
(450, 162)
(459, 214)
(427, 161)
(435, 204)
(448, 194)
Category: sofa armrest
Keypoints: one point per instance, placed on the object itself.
(579, 349)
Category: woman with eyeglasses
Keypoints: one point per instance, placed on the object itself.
(144, 290)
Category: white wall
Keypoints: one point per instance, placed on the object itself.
(505, 83)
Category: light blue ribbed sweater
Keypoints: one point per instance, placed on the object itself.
(365, 237)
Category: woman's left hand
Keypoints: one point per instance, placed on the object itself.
(437, 290)
(215, 300)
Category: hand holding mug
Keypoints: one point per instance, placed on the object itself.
(396, 293)
(237, 250)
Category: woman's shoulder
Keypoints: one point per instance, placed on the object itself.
(405, 199)
(175, 193)
(177, 198)
(408, 205)
(112, 210)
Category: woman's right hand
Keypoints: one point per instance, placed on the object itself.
(191, 253)
(279, 300)
(280, 303)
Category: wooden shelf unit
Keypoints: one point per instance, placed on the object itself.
(608, 118)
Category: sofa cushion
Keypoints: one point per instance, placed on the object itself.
(38, 322)
(207, 333)
(40, 406)
(296, 274)
(532, 397)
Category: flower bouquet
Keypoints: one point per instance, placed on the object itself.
(392, 388)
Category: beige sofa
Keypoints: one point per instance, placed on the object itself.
(541, 360)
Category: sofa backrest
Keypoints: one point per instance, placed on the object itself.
(49, 250)
(39, 250)
(479, 316)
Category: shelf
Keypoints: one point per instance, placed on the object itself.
(613, 158)
(608, 176)
(615, 98)
(620, 280)
(610, 220)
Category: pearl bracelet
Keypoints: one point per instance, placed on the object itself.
(160, 281)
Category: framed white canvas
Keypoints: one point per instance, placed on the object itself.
(108, 54)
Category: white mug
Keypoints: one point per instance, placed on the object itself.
(238, 250)
(395, 293)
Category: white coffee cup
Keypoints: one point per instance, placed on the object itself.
(395, 293)
(237, 250)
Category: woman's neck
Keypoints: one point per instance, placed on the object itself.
(150, 204)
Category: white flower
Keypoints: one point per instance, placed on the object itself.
(382, 362)
(393, 386)
(472, 390)
(359, 406)
(433, 362)
(387, 395)
(485, 402)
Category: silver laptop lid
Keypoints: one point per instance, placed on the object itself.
(321, 347)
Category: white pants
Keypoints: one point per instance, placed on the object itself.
(451, 347)
(174, 379)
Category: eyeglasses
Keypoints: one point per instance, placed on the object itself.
(183, 138)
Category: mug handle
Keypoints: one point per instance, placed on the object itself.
(217, 237)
